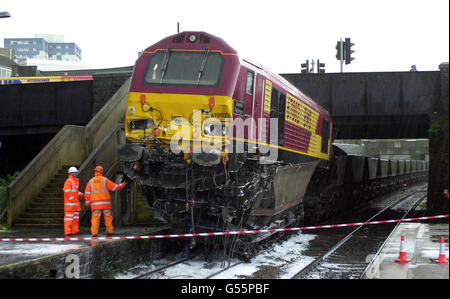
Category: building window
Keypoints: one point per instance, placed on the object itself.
(5, 72)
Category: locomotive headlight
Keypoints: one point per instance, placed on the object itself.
(177, 121)
(141, 124)
(192, 38)
(209, 129)
(215, 129)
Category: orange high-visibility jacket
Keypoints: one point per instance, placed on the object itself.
(97, 192)
(72, 195)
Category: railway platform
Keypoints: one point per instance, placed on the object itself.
(422, 247)
(94, 258)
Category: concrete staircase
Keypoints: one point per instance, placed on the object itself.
(47, 209)
(36, 200)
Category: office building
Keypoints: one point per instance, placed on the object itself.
(44, 46)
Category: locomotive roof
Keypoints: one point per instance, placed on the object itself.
(181, 41)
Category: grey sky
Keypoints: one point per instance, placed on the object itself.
(388, 35)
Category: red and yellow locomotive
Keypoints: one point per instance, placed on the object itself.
(216, 140)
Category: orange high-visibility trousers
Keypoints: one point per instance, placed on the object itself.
(72, 205)
(71, 222)
(99, 199)
(95, 221)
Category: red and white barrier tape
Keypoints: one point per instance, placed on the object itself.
(243, 232)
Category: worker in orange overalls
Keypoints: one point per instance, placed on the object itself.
(72, 203)
(99, 199)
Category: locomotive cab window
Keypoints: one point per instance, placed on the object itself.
(325, 135)
(184, 68)
(249, 85)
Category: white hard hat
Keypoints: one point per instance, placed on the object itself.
(72, 169)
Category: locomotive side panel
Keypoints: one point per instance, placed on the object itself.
(301, 129)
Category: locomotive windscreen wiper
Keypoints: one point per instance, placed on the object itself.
(202, 67)
(164, 64)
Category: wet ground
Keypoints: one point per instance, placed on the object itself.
(422, 246)
(15, 252)
(281, 260)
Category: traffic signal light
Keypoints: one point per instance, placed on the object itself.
(338, 48)
(348, 51)
(320, 67)
(305, 67)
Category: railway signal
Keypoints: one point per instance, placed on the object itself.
(344, 51)
(320, 67)
(339, 47)
(305, 67)
(340, 53)
(348, 51)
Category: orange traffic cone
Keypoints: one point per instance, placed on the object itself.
(442, 258)
(402, 258)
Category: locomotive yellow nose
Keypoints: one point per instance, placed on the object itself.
(177, 116)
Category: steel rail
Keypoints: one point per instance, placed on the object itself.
(322, 257)
(363, 275)
(141, 276)
(223, 270)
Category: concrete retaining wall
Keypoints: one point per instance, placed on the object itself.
(102, 260)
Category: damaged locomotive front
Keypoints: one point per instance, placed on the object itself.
(219, 143)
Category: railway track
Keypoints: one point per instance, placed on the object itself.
(349, 258)
(335, 263)
(147, 275)
(162, 268)
(223, 270)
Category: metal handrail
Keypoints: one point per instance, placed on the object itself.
(106, 156)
